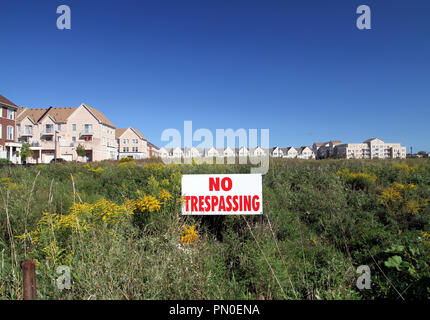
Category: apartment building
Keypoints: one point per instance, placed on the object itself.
(323, 150)
(373, 148)
(131, 143)
(9, 147)
(153, 150)
(57, 132)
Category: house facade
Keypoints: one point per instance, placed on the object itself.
(373, 148)
(131, 143)
(9, 146)
(153, 150)
(57, 133)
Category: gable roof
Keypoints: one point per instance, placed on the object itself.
(138, 133)
(371, 139)
(7, 102)
(33, 114)
(150, 144)
(100, 116)
(119, 132)
(60, 114)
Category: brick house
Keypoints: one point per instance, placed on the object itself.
(9, 147)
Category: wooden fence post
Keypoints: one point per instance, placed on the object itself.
(29, 279)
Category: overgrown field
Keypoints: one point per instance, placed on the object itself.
(118, 226)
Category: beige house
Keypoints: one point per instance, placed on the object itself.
(374, 148)
(305, 152)
(57, 132)
(192, 152)
(131, 143)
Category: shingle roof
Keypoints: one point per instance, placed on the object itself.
(59, 114)
(99, 115)
(119, 132)
(138, 133)
(7, 102)
(33, 114)
(368, 140)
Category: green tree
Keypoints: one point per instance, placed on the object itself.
(80, 150)
(26, 152)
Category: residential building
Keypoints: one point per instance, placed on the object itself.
(57, 132)
(192, 152)
(153, 150)
(290, 153)
(131, 143)
(277, 152)
(374, 148)
(9, 147)
(305, 152)
(323, 150)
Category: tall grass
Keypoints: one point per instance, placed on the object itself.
(322, 219)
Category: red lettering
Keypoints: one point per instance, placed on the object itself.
(236, 205)
(193, 203)
(226, 184)
(214, 202)
(213, 184)
(255, 203)
(187, 200)
(221, 204)
(208, 204)
(246, 203)
(228, 201)
(201, 204)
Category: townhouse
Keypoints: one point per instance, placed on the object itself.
(9, 146)
(131, 143)
(54, 133)
(153, 150)
(373, 148)
(303, 152)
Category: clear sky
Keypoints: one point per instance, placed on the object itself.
(300, 68)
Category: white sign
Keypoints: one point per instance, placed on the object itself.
(222, 194)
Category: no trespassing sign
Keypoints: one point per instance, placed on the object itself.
(222, 194)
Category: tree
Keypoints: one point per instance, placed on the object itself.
(422, 153)
(80, 150)
(26, 152)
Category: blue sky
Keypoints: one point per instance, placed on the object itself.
(300, 68)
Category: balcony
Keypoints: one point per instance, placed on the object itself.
(26, 134)
(47, 132)
(86, 133)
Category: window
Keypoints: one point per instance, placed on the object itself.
(59, 127)
(74, 139)
(1, 131)
(134, 141)
(49, 128)
(104, 141)
(74, 127)
(18, 128)
(10, 114)
(135, 149)
(88, 128)
(125, 149)
(10, 133)
(125, 141)
(28, 129)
